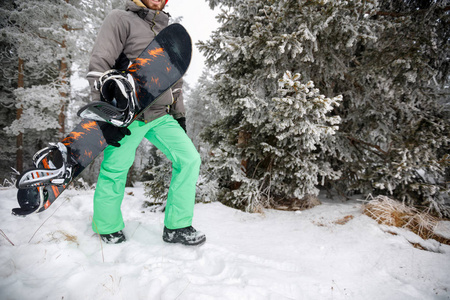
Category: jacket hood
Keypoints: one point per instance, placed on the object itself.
(137, 3)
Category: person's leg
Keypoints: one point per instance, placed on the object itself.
(167, 135)
(110, 187)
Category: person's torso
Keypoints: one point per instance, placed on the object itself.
(141, 31)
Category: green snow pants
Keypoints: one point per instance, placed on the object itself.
(168, 136)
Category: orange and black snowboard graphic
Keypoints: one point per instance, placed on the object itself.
(162, 64)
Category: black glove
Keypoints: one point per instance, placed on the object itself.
(182, 122)
(113, 134)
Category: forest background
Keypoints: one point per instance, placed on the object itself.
(297, 97)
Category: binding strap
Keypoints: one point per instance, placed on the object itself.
(52, 167)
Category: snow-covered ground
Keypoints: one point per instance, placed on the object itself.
(332, 251)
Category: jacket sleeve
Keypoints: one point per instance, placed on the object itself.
(107, 48)
(177, 109)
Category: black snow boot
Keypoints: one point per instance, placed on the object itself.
(186, 236)
(113, 238)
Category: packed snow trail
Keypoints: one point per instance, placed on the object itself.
(331, 251)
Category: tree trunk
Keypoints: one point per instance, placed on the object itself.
(63, 72)
(243, 138)
(19, 138)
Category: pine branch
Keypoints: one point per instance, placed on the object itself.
(398, 15)
(355, 140)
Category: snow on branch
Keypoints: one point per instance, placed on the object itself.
(40, 105)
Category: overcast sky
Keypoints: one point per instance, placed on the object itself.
(199, 21)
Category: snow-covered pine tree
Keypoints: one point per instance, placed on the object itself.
(159, 173)
(395, 130)
(201, 111)
(200, 108)
(257, 43)
(37, 56)
(40, 50)
(389, 63)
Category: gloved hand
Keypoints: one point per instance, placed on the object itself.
(113, 134)
(182, 122)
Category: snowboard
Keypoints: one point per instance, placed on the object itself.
(160, 66)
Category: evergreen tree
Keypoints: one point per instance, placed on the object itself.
(159, 171)
(200, 108)
(201, 112)
(255, 161)
(390, 66)
(37, 56)
(395, 125)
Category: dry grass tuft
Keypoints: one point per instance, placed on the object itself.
(327, 223)
(344, 220)
(62, 235)
(390, 212)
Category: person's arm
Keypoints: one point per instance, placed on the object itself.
(177, 109)
(108, 46)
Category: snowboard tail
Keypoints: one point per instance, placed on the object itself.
(84, 143)
(160, 66)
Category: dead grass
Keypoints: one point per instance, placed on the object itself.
(6, 237)
(343, 220)
(62, 235)
(390, 212)
(327, 223)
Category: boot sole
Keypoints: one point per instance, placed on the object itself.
(199, 243)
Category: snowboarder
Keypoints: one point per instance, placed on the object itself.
(122, 37)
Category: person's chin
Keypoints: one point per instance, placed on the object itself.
(155, 4)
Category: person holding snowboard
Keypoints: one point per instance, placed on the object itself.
(123, 35)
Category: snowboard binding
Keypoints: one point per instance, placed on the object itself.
(53, 166)
(119, 105)
(30, 201)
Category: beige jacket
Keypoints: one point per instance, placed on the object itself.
(123, 35)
